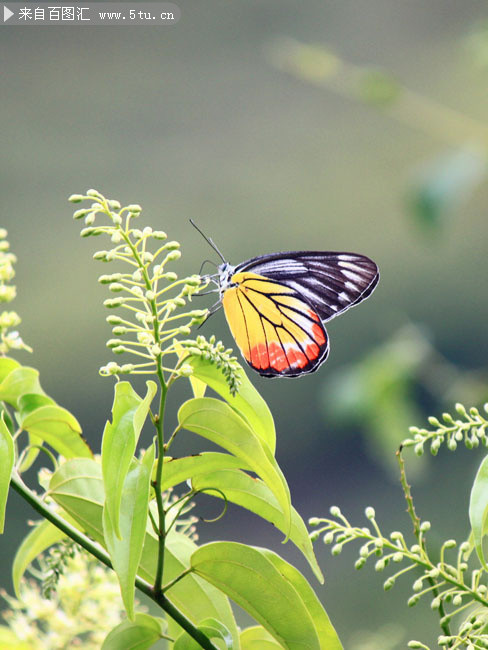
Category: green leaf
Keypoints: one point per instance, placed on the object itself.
(44, 535)
(35, 443)
(26, 404)
(192, 594)
(30, 402)
(217, 422)
(120, 438)
(126, 552)
(18, 382)
(269, 589)
(77, 486)
(325, 631)
(6, 366)
(213, 628)
(253, 494)
(140, 634)
(248, 402)
(478, 508)
(257, 638)
(57, 427)
(178, 470)
(7, 454)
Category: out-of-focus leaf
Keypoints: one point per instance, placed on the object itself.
(59, 428)
(378, 87)
(478, 509)
(312, 63)
(253, 494)
(376, 394)
(257, 638)
(445, 183)
(120, 438)
(140, 634)
(178, 470)
(126, 552)
(213, 629)
(247, 401)
(44, 535)
(217, 422)
(18, 382)
(7, 454)
(269, 589)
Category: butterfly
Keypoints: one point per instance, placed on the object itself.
(276, 305)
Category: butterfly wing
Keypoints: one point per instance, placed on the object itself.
(329, 282)
(278, 333)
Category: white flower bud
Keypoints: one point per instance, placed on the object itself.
(134, 208)
(186, 371)
(369, 512)
(172, 256)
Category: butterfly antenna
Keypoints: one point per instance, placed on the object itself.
(203, 264)
(208, 240)
(211, 311)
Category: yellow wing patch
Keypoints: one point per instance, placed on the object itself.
(277, 332)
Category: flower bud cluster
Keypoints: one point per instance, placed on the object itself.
(449, 585)
(68, 619)
(9, 339)
(221, 357)
(469, 427)
(153, 297)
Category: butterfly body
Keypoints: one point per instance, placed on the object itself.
(276, 305)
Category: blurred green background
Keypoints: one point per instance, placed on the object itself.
(269, 146)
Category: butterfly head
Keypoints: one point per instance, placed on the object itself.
(225, 271)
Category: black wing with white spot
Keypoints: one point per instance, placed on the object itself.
(329, 282)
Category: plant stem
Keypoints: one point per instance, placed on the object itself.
(97, 551)
(158, 420)
(157, 487)
(416, 529)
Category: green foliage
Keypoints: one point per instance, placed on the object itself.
(266, 586)
(216, 421)
(141, 633)
(121, 506)
(7, 455)
(455, 581)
